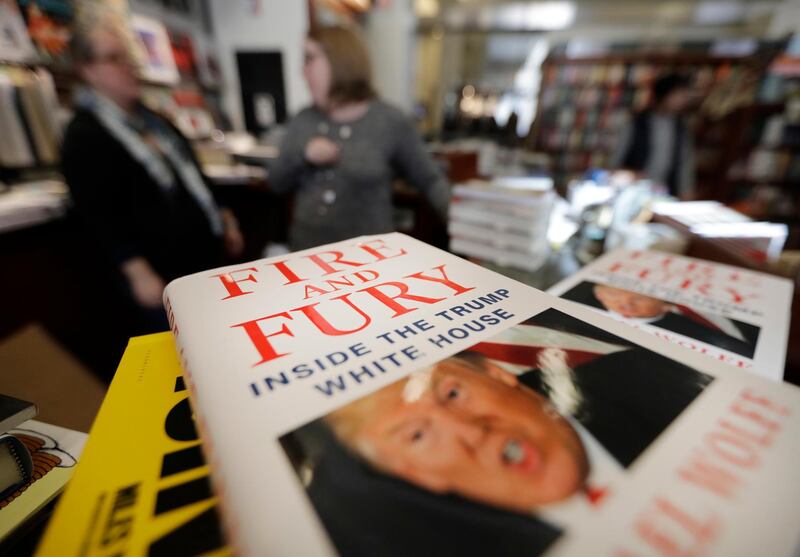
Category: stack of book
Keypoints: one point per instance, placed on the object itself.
(36, 460)
(29, 129)
(16, 466)
(504, 221)
(378, 396)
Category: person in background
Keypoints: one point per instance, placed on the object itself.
(657, 142)
(341, 155)
(135, 182)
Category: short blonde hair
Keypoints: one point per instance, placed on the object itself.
(348, 421)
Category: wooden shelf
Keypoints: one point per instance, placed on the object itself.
(729, 137)
(781, 182)
(654, 58)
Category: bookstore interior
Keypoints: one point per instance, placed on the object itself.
(311, 277)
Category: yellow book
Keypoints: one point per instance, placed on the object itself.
(142, 485)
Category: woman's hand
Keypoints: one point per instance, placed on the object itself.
(232, 234)
(146, 285)
(321, 151)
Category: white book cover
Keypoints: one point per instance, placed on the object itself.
(734, 315)
(382, 397)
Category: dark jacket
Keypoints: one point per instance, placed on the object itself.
(629, 398)
(640, 149)
(685, 326)
(583, 293)
(368, 513)
(126, 212)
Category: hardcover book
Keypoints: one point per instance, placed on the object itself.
(733, 315)
(142, 484)
(378, 396)
(504, 221)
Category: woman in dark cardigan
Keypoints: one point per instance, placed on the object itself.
(136, 185)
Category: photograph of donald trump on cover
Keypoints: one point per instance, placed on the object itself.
(711, 328)
(496, 450)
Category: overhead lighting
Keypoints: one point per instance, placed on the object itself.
(537, 16)
(718, 13)
(426, 9)
(358, 5)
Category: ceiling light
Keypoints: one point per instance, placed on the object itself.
(538, 16)
(718, 13)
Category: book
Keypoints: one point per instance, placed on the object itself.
(14, 411)
(688, 214)
(15, 44)
(504, 221)
(54, 452)
(736, 316)
(755, 241)
(733, 231)
(15, 464)
(378, 396)
(142, 484)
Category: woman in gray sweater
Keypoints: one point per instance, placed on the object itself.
(341, 155)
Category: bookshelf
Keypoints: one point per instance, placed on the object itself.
(583, 103)
(760, 168)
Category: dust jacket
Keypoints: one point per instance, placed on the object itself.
(734, 315)
(378, 396)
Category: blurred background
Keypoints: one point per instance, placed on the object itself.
(546, 97)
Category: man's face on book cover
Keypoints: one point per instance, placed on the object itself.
(466, 426)
(629, 304)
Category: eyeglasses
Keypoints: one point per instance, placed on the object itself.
(115, 58)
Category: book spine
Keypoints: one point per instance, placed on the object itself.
(207, 444)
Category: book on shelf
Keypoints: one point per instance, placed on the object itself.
(54, 452)
(737, 316)
(15, 44)
(142, 486)
(378, 396)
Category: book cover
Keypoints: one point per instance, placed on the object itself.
(142, 485)
(381, 397)
(156, 57)
(736, 316)
(54, 451)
